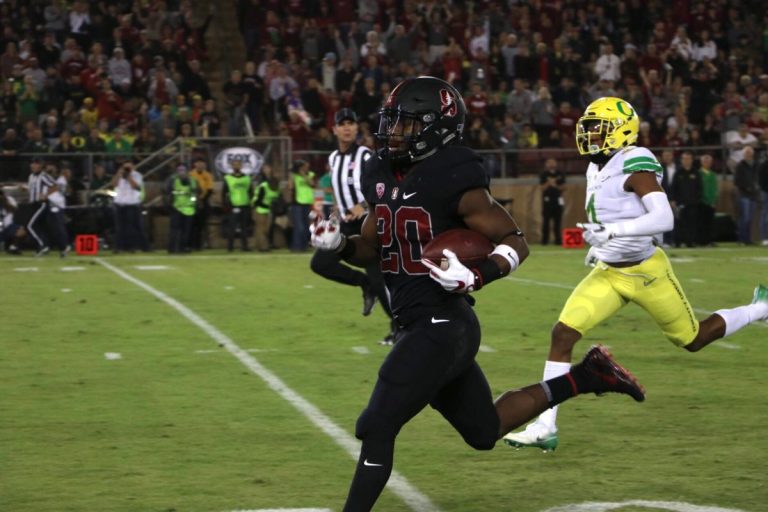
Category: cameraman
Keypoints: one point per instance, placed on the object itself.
(10, 232)
(129, 192)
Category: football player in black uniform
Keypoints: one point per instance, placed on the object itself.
(421, 184)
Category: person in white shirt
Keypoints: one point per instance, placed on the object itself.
(705, 48)
(626, 209)
(608, 65)
(737, 140)
(129, 193)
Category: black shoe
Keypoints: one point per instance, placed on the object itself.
(605, 375)
(369, 300)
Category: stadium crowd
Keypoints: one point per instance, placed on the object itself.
(124, 77)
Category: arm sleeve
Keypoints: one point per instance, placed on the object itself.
(657, 219)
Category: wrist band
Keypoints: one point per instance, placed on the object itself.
(508, 254)
(486, 272)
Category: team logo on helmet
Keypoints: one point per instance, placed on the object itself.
(380, 190)
(448, 101)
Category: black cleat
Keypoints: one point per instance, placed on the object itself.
(605, 375)
(369, 300)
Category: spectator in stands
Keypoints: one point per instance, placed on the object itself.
(747, 182)
(737, 141)
(99, 178)
(119, 69)
(209, 124)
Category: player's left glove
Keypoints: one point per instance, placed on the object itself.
(596, 235)
(456, 278)
(326, 233)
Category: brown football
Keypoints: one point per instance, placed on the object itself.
(471, 247)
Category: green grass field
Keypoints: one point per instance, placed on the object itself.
(178, 423)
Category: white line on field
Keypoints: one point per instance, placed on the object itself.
(112, 356)
(284, 510)
(397, 483)
(563, 286)
(25, 269)
(487, 349)
(729, 346)
(605, 506)
(361, 350)
(152, 267)
(72, 269)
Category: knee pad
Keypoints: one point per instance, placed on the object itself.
(374, 425)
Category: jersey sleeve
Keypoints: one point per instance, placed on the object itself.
(640, 160)
(368, 179)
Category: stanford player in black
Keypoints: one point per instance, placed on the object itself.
(421, 184)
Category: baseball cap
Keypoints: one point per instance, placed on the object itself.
(344, 114)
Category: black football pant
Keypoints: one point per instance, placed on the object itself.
(329, 265)
(432, 363)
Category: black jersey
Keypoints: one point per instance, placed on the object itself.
(413, 210)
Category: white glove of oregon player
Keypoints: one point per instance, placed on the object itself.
(596, 235)
(456, 278)
(591, 259)
(326, 233)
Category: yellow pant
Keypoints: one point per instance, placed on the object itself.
(651, 284)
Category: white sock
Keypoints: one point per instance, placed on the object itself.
(742, 316)
(552, 369)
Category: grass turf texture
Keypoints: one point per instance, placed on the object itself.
(168, 428)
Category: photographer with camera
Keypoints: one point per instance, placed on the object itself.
(129, 192)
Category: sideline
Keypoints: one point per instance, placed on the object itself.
(412, 497)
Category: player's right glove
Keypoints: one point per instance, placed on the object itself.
(457, 278)
(591, 259)
(326, 233)
(596, 235)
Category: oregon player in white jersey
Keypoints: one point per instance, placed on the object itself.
(626, 208)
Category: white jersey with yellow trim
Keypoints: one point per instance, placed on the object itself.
(607, 202)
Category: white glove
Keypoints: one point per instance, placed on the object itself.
(456, 278)
(591, 259)
(326, 233)
(596, 235)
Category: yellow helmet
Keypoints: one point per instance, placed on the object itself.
(608, 124)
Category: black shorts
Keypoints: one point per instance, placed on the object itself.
(433, 363)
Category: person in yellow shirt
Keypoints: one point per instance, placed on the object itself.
(204, 179)
(89, 115)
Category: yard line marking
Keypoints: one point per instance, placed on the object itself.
(487, 349)
(727, 345)
(412, 497)
(206, 351)
(229, 288)
(152, 267)
(71, 269)
(284, 510)
(605, 506)
(696, 280)
(112, 356)
(66, 290)
(361, 350)
(568, 287)
(26, 269)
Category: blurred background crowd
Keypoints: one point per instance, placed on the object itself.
(119, 80)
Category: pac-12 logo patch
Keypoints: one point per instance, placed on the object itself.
(379, 190)
(394, 193)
